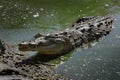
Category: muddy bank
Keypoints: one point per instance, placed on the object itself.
(12, 66)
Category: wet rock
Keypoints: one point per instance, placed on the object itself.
(28, 71)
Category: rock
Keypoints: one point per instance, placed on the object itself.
(15, 66)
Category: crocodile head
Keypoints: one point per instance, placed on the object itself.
(47, 44)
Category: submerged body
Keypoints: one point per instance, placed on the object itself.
(83, 31)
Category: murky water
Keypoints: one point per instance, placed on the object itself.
(100, 62)
(21, 20)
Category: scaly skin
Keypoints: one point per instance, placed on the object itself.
(83, 31)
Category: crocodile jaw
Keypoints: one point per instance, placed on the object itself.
(46, 47)
(51, 49)
(26, 47)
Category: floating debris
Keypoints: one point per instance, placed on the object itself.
(52, 14)
(88, 7)
(41, 9)
(15, 5)
(98, 59)
(117, 36)
(66, 70)
(76, 74)
(93, 44)
(106, 5)
(118, 73)
(24, 17)
(81, 10)
(36, 15)
(1, 6)
(84, 65)
(30, 12)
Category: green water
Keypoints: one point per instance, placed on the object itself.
(21, 19)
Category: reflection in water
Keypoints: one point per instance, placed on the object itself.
(52, 59)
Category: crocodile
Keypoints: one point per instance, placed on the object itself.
(84, 30)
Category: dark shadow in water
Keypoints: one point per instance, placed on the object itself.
(38, 58)
(44, 58)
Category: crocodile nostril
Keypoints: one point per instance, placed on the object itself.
(40, 43)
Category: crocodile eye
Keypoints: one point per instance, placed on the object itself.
(38, 35)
